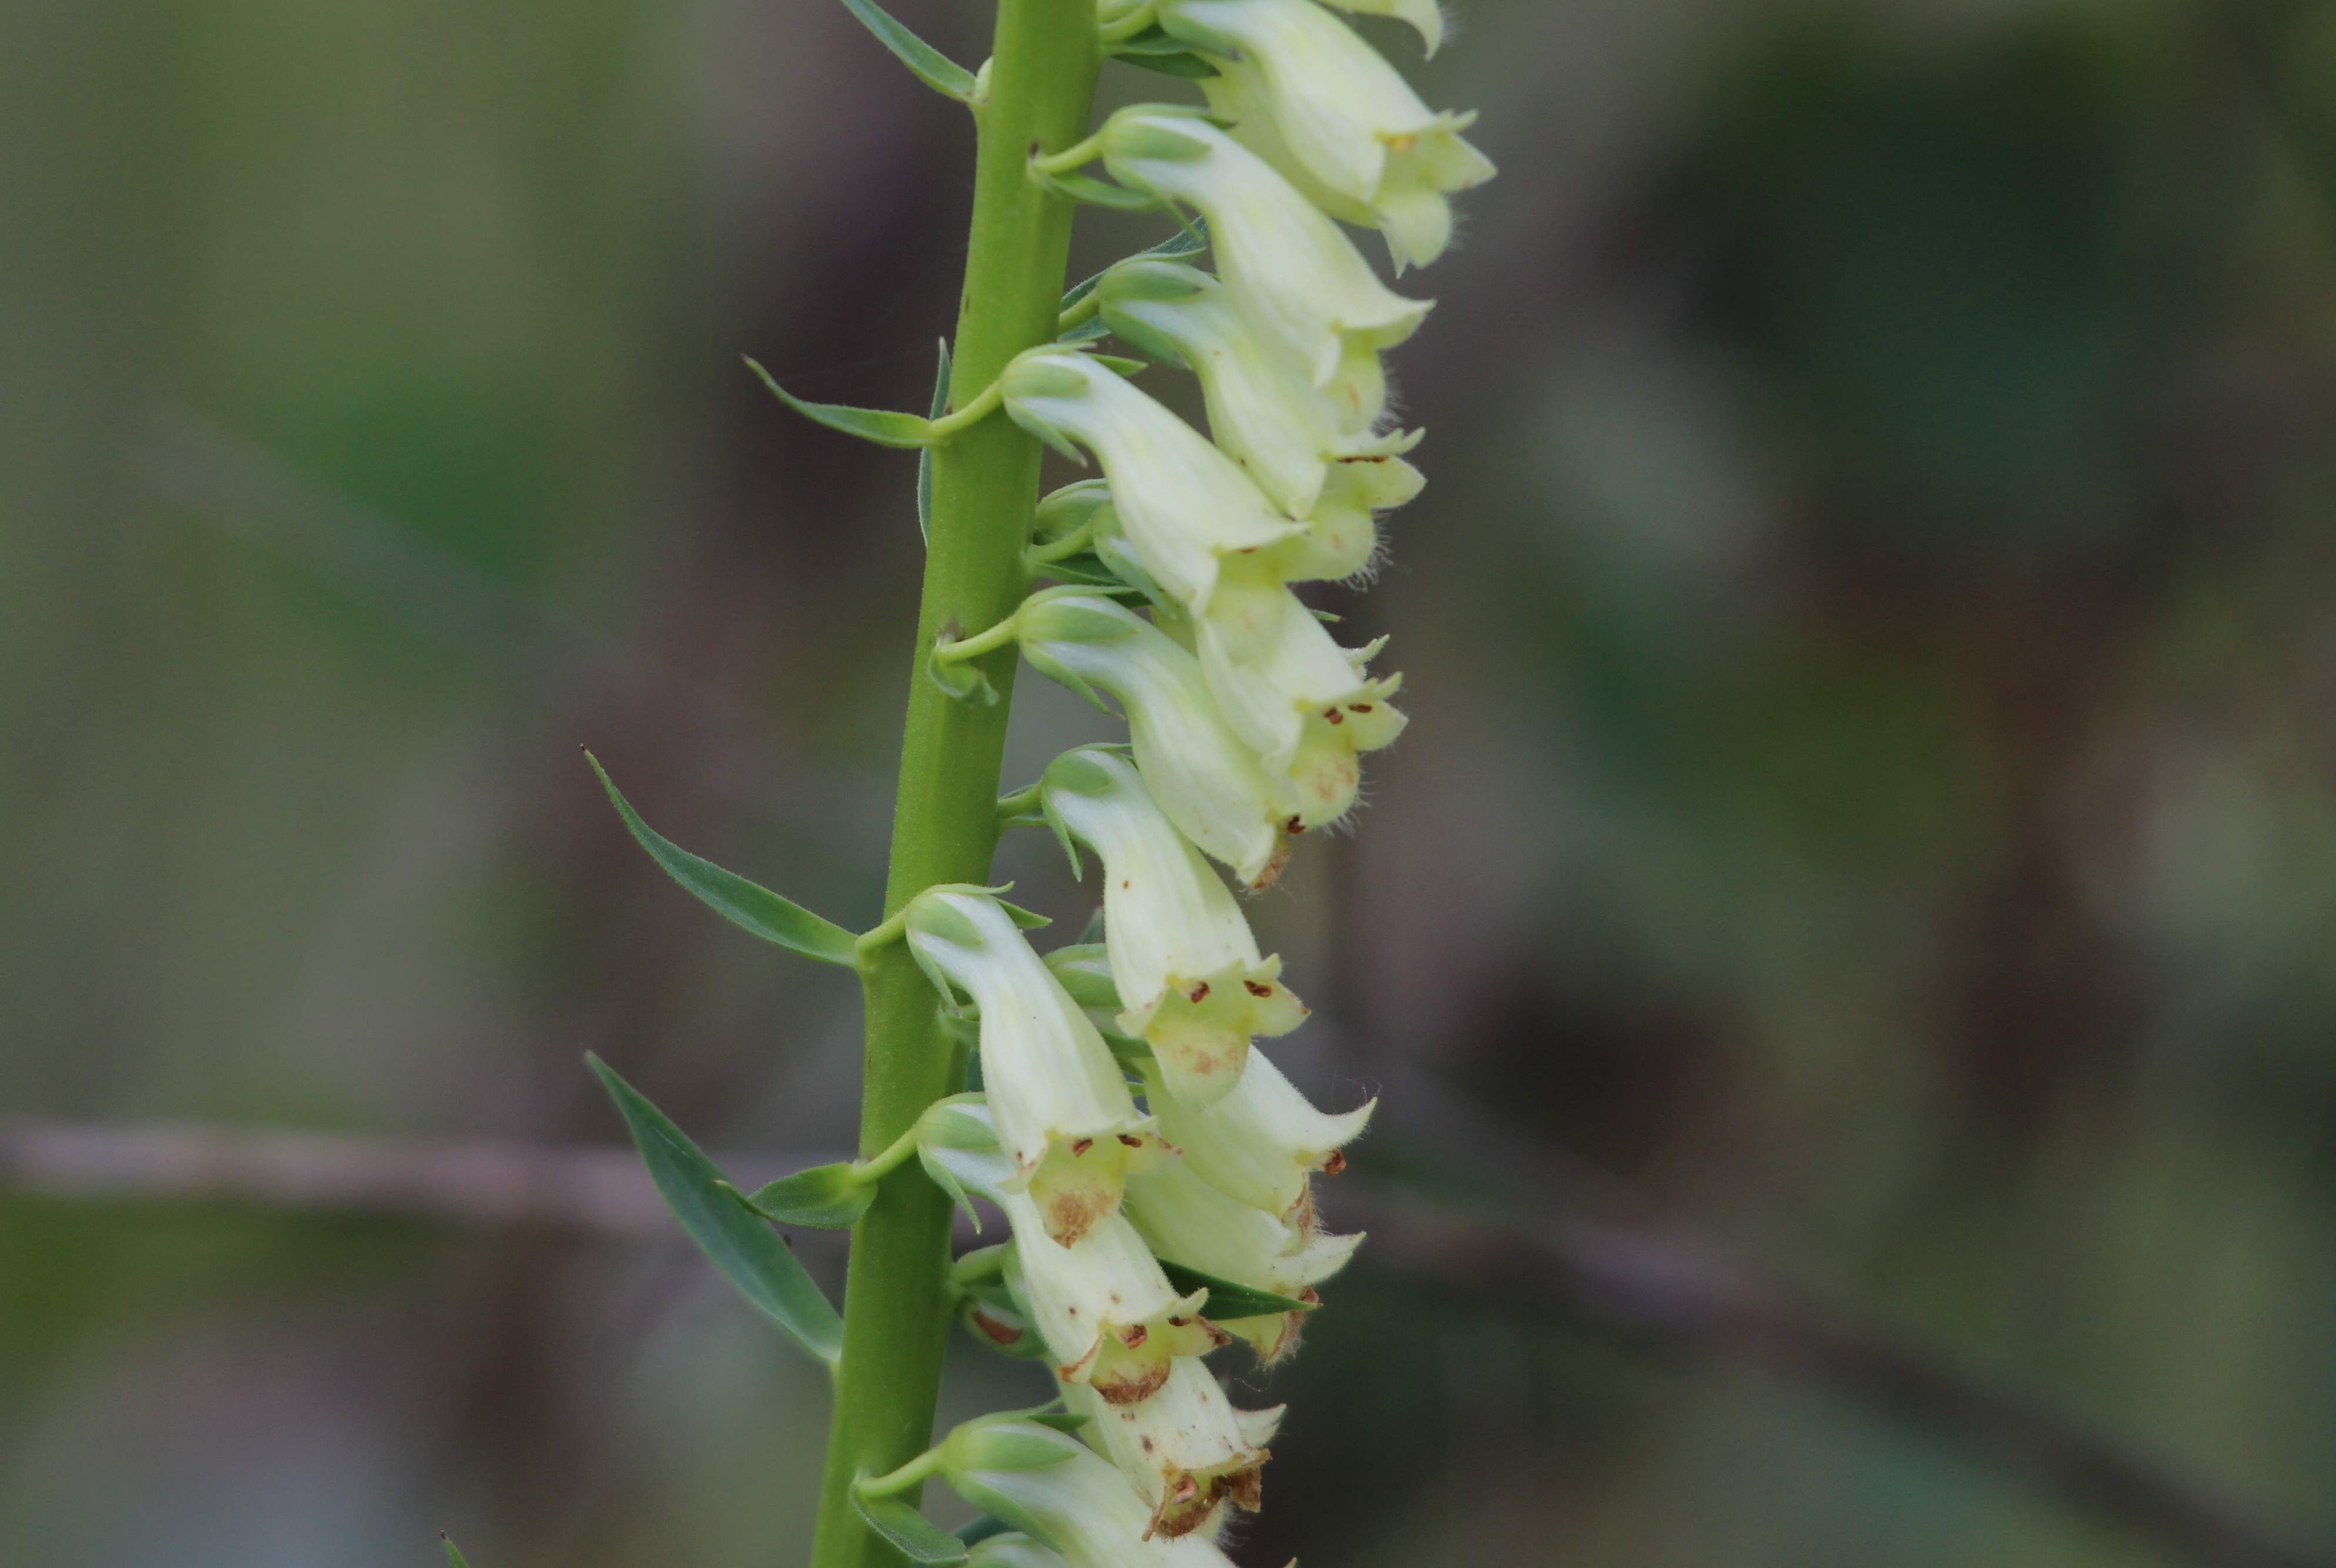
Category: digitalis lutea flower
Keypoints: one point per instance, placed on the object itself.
(1208, 782)
(1260, 1144)
(1078, 1504)
(1320, 105)
(1057, 1101)
(1263, 414)
(1185, 1448)
(1187, 1221)
(1110, 1320)
(1191, 982)
(1302, 703)
(1298, 280)
(1182, 504)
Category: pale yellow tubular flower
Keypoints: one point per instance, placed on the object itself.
(1259, 1144)
(1060, 1107)
(1185, 1448)
(1321, 104)
(1191, 982)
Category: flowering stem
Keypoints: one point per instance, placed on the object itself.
(1045, 58)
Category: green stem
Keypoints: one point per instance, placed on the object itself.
(896, 1319)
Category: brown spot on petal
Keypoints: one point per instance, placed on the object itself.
(1358, 707)
(1245, 1488)
(1199, 993)
(1294, 826)
(1131, 1140)
(1133, 1386)
(1082, 1147)
(1179, 1322)
(1334, 1162)
(1217, 1336)
(1147, 1445)
(1333, 716)
(1255, 989)
(1001, 1334)
(1134, 1335)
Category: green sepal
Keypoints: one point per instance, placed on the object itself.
(743, 904)
(1090, 934)
(453, 1553)
(962, 679)
(925, 457)
(1120, 363)
(885, 426)
(1228, 1301)
(927, 64)
(911, 1534)
(1083, 969)
(749, 1253)
(1087, 569)
(826, 1197)
(1087, 331)
(1155, 49)
(981, 1528)
(1188, 240)
(1087, 187)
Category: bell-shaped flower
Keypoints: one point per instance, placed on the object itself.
(1199, 771)
(1071, 1499)
(1189, 1221)
(1191, 982)
(1342, 535)
(1182, 504)
(1302, 703)
(1110, 1320)
(1259, 1144)
(1187, 1450)
(1057, 1101)
(1298, 280)
(1283, 430)
(1319, 104)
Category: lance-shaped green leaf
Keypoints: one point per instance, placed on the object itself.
(826, 1197)
(1228, 1301)
(925, 458)
(929, 65)
(742, 903)
(453, 1553)
(745, 1249)
(885, 426)
(914, 1537)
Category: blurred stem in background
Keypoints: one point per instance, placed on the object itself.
(1041, 88)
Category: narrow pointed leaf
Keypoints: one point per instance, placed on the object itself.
(1155, 49)
(1100, 192)
(931, 66)
(1190, 240)
(925, 458)
(885, 426)
(827, 1197)
(911, 1534)
(1228, 1301)
(745, 1248)
(453, 1553)
(741, 902)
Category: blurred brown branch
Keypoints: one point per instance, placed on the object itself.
(1637, 1275)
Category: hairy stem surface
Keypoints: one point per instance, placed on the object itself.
(945, 820)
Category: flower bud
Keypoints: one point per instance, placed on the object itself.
(1292, 694)
(1061, 1109)
(1180, 503)
(1080, 1506)
(1258, 1143)
(1298, 279)
(1323, 107)
(1187, 1450)
(1191, 983)
(1188, 1221)
(1198, 770)
(1283, 430)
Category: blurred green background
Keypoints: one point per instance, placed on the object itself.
(1870, 790)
